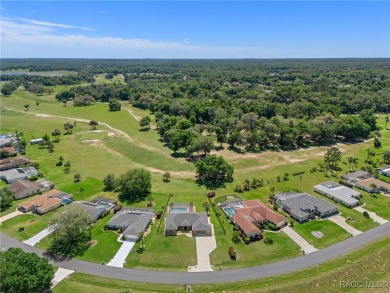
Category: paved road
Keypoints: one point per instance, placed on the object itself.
(163, 277)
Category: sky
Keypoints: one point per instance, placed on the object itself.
(199, 29)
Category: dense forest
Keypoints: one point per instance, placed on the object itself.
(258, 104)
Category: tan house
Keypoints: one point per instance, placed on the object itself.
(45, 203)
(23, 188)
(14, 162)
(373, 185)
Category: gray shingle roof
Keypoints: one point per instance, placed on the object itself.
(132, 224)
(339, 191)
(13, 174)
(92, 209)
(198, 221)
(358, 175)
(305, 202)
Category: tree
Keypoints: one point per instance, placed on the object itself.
(65, 96)
(206, 206)
(109, 182)
(201, 144)
(386, 121)
(166, 177)
(93, 124)
(271, 192)
(56, 133)
(68, 127)
(332, 157)
(150, 199)
(114, 105)
(37, 104)
(354, 162)
(213, 171)
(50, 146)
(72, 231)
(373, 187)
(135, 185)
(24, 272)
(76, 177)
(26, 106)
(145, 121)
(6, 91)
(6, 198)
(285, 177)
(67, 167)
(38, 89)
(250, 120)
(247, 184)
(386, 157)
(350, 160)
(221, 136)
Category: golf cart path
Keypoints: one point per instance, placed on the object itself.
(166, 277)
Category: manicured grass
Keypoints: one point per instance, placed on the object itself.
(164, 252)
(332, 232)
(32, 223)
(370, 262)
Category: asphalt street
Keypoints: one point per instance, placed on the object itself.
(188, 278)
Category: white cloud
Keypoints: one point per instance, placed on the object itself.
(44, 23)
(33, 38)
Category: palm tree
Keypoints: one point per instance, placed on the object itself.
(206, 206)
(141, 236)
(150, 199)
(350, 161)
(377, 134)
(354, 162)
(271, 193)
(372, 154)
(373, 187)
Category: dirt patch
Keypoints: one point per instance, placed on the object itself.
(33, 220)
(91, 140)
(91, 243)
(111, 134)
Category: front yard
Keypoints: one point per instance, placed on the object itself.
(332, 232)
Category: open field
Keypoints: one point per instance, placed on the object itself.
(368, 263)
(119, 145)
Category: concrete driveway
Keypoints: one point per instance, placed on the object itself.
(341, 221)
(204, 246)
(60, 275)
(122, 254)
(298, 239)
(10, 216)
(35, 239)
(373, 216)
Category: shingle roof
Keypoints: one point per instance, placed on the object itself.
(13, 174)
(307, 202)
(41, 201)
(19, 186)
(132, 224)
(198, 221)
(358, 175)
(339, 191)
(246, 226)
(13, 162)
(92, 209)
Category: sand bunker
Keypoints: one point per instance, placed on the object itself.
(91, 140)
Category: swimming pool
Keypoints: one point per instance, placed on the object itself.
(229, 211)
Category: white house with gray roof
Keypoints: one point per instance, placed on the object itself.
(302, 206)
(12, 175)
(195, 223)
(339, 193)
(130, 224)
(384, 170)
(93, 210)
(356, 176)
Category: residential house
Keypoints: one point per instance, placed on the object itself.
(14, 162)
(7, 140)
(302, 206)
(253, 214)
(130, 224)
(195, 223)
(356, 176)
(8, 151)
(384, 170)
(373, 185)
(108, 202)
(31, 172)
(23, 188)
(44, 184)
(45, 203)
(12, 175)
(339, 193)
(93, 210)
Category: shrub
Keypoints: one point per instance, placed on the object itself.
(236, 239)
(272, 226)
(247, 240)
(268, 241)
(21, 229)
(218, 214)
(238, 188)
(59, 163)
(365, 213)
(298, 173)
(119, 231)
(158, 214)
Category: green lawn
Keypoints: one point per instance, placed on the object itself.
(332, 232)
(32, 223)
(370, 262)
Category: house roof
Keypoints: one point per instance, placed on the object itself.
(306, 202)
(43, 183)
(358, 175)
(377, 182)
(339, 191)
(42, 202)
(94, 210)
(246, 226)
(100, 199)
(132, 224)
(14, 162)
(57, 194)
(261, 210)
(384, 170)
(19, 186)
(198, 221)
(13, 174)
(9, 150)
